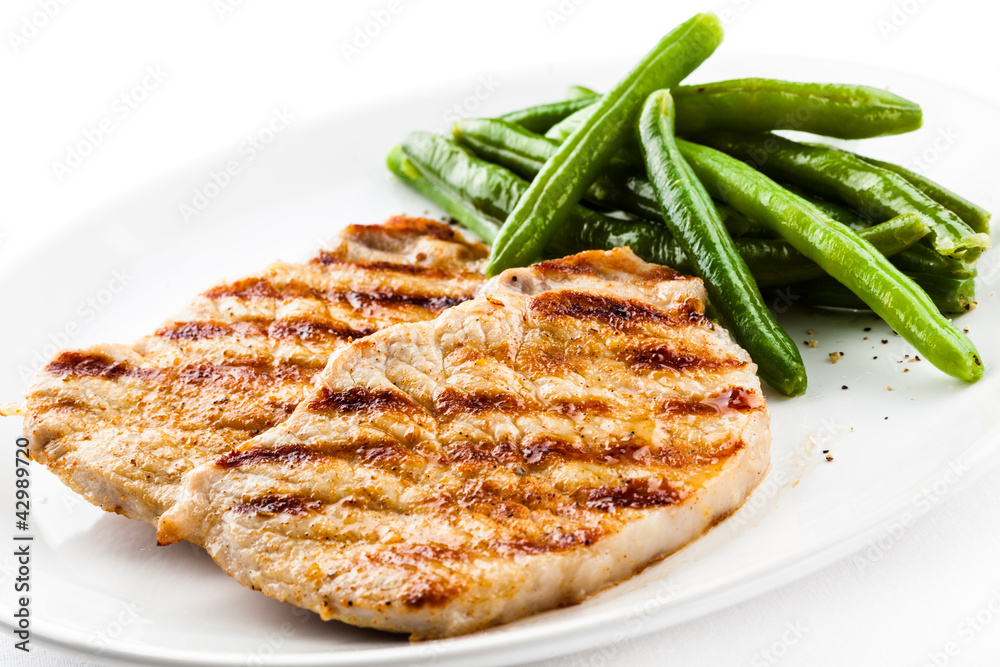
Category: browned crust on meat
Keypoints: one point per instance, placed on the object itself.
(274, 504)
(625, 315)
(90, 364)
(359, 399)
(609, 267)
(301, 328)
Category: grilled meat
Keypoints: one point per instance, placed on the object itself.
(578, 420)
(121, 424)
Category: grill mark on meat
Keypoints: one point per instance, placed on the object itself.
(634, 494)
(301, 328)
(680, 458)
(451, 401)
(625, 315)
(425, 588)
(539, 452)
(542, 450)
(587, 406)
(305, 328)
(256, 371)
(399, 227)
(92, 364)
(386, 298)
(429, 592)
(261, 288)
(194, 330)
(258, 288)
(382, 454)
(549, 542)
(287, 454)
(326, 258)
(733, 399)
(360, 399)
(583, 264)
(292, 505)
(474, 451)
(664, 356)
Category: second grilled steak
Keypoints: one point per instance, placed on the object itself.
(121, 424)
(576, 421)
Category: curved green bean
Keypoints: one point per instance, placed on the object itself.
(580, 159)
(842, 254)
(542, 117)
(694, 222)
(835, 174)
(950, 295)
(761, 105)
(976, 217)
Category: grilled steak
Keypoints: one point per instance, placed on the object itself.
(578, 420)
(121, 424)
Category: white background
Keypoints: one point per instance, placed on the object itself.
(226, 65)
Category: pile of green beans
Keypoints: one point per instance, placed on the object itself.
(692, 177)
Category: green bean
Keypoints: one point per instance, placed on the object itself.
(835, 174)
(917, 259)
(923, 259)
(776, 262)
(842, 254)
(525, 153)
(580, 92)
(976, 217)
(561, 130)
(542, 117)
(694, 222)
(761, 105)
(580, 159)
(950, 295)
(842, 214)
(480, 194)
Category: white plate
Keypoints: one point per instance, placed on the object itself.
(101, 586)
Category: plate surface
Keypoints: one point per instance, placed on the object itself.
(101, 586)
